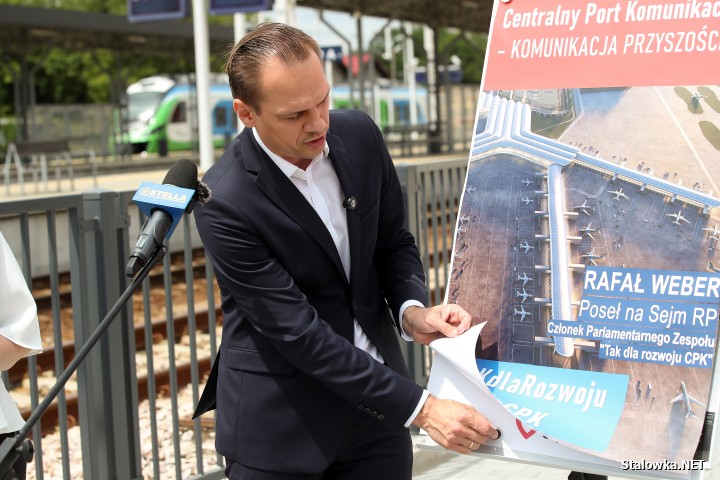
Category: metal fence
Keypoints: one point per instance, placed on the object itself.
(129, 405)
(95, 127)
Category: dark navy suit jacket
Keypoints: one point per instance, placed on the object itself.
(288, 377)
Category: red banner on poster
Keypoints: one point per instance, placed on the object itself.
(542, 44)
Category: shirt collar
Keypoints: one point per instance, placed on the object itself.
(286, 167)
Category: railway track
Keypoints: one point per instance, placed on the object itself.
(46, 360)
(183, 373)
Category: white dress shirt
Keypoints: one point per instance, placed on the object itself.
(18, 323)
(320, 186)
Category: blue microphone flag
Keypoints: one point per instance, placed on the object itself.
(174, 200)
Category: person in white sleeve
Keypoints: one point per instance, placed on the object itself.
(19, 338)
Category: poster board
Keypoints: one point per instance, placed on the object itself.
(587, 238)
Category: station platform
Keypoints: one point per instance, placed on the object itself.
(432, 464)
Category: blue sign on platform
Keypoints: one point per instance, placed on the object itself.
(153, 10)
(222, 7)
(331, 53)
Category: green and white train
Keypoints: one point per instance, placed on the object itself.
(161, 111)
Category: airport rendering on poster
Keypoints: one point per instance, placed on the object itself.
(587, 244)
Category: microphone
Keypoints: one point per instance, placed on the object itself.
(163, 205)
(350, 203)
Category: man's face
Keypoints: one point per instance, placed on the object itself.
(293, 117)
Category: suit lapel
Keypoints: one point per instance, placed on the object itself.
(346, 174)
(281, 191)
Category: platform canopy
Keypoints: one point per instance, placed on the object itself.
(471, 15)
(25, 28)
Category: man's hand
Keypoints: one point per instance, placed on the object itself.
(426, 324)
(454, 425)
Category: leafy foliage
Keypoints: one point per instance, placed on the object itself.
(73, 76)
(468, 47)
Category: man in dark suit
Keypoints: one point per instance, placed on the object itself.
(318, 275)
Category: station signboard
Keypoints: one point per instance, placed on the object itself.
(331, 53)
(156, 10)
(223, 7)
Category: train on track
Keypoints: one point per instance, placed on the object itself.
(161, 111)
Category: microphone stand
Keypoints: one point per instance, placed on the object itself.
(19, 446)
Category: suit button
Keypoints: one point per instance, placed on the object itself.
(354, 306)
(381, 417)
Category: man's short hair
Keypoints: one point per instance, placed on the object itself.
(248, 56)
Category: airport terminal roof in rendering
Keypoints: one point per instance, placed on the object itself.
(700, 199)
(508, 127)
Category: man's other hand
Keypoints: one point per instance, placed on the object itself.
(454, 425)
(426, 324)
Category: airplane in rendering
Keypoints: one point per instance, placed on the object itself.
(527, 182)
(697, 96)
(678, 216)
(712, 267)
(526, 200)
(526, 246)
(524, 295)
(583, 207)
(687, 399)
(588, 230)
(522, 312)
(524, 278)
(618, 194)
(471, 189)
(715, 230)
(591, 256)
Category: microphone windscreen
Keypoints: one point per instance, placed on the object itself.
(182, 174)
(204, 193)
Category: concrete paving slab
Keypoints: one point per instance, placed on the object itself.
(430, 464)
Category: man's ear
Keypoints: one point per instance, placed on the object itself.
(244, 112)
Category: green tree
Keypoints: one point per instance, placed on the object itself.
(469, 47)
(81, 76)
